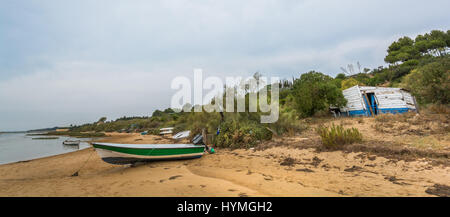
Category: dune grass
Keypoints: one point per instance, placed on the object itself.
(336, 136)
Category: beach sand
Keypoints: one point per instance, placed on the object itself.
(276, 171)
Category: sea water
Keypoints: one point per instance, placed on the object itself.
(16, 147)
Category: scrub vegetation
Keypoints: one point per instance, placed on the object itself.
(336, 136)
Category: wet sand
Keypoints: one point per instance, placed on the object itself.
(277, 171)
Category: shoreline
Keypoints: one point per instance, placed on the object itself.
(275, 171)
(102, 139)
(81, 147)
(43, 158)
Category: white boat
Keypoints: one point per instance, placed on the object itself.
(71, 142)
(165, 131)
(167, 128)
(182, 135)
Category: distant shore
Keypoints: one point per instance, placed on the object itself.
(276, 171)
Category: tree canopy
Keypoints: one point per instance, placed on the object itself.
(435, 43)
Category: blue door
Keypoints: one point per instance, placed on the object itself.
(373, 103)
(365, 97)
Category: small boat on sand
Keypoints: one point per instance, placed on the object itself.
(166, 131)
(182, 135)
(71, 142)
(133, 153)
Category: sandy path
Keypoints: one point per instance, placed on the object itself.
(226, 173)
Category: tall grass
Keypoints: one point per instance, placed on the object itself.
(335, 136)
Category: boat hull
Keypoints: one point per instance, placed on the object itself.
(71, 143)
(129, 154)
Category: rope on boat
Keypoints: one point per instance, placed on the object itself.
(76, 173)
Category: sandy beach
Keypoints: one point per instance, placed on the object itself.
(273, 171)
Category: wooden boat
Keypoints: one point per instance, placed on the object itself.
(133, 153)
(71, 142)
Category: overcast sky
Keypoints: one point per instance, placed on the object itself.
(71, 62)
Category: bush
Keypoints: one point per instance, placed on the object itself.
(350, 82)
(153, 131)
(430, 83)
(315, 92)
(336, 136)
(196, 121)
(288, 122)
(241, 135)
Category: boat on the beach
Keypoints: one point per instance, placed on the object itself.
(114, 153)
(132, 153)
(166, 131)
(71, 142)
(182, 135)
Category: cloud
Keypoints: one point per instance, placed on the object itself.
(83, 91)
(74, 61)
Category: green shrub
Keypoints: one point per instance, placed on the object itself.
(196, 121)
(153, 131)
(336, 136)
(235, 134)
(288, 123)
(349, 82)
(430, 83)
(314, 92)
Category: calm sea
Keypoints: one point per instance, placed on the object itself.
(20, 147)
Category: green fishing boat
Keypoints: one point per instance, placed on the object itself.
(133, 153)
